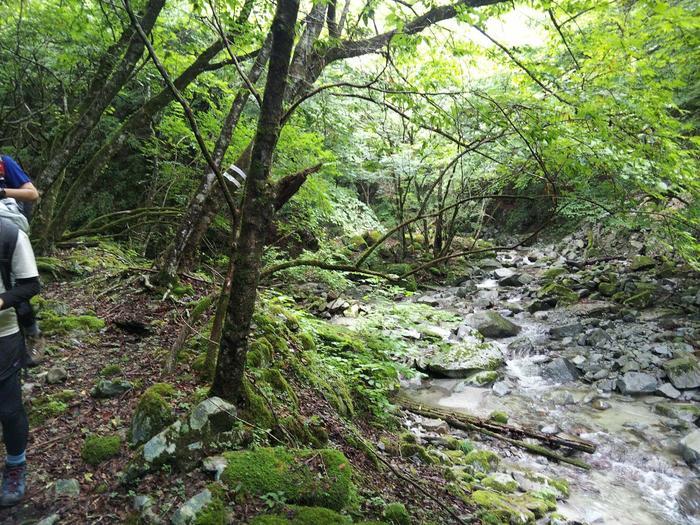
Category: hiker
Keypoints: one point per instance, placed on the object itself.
(17, 265)
(16, 184)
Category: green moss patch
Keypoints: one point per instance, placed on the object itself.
(58, 324)
(311, 477)
(153, 413)
(303, 516)
(49, 406)
(97, 449)
(396, 514)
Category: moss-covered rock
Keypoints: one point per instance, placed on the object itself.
(417, 451)
(111, 370)
(49, 406)
(259, 353)
(499, 416)
(307, 341)
(482, 461)
(153, 413)
(97, 449)
(642, 262)
(552, 273)
(560, 293)
(640, 300)
(501, 508)
(607, 289)
(274, 378)
(500, 483)
(60, 324)
(312, 477)
(294, 515)
(396, 514)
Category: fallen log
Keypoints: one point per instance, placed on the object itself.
(499, 428)
(464, 422)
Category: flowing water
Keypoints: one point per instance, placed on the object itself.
(637, 471)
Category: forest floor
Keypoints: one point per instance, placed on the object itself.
(54, 453)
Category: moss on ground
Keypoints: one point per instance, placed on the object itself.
(58, 324)
(97, 449)
(111, 370)
(482, 461)
(49, 406)
(303, 516)
(311, 477)
(213, 514)
(396, 514)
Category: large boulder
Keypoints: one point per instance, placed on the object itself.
(184, 442)
(461, 360)
(560, 370)
(637, 383)
(493, 324)
(690, 447)
(567, 330)
(152, 414)
(683, 372)
(642, 262)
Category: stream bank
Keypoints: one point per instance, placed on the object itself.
(605, 350)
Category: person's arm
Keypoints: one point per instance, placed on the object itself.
(26, 192)
(18, 185)
(23, 290)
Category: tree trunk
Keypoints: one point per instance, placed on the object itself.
(257, 211)
(202, 208)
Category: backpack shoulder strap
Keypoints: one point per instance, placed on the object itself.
(8, 241)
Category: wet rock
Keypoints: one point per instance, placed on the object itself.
(667, 390)
(683, 372)
(550, 430)
(560, 370)
(107, 388)
(503, 273)
(187, 514)
(521, 346)
(637, 383)
(568, 330)
(688, 499)
(600, 404)
(598, 338)
(688, 412)
(501, 388)
(492, 324)
(541, 305)
(56, 374)
(435, 425)
(690, 447)
(67, 488)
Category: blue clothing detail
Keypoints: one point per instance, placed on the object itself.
(14, 175)
(16, 460)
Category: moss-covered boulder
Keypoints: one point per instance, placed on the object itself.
(643, 299)
(552, 273)
(294, 515)
(153, 413)
(97, 449)
(310, 477)
(642, 262)
(396, 514)
(607, 289)
(462, 359)
(492, 324)
(683, 372)
(558, 292)
(513, 509)
(482, 461)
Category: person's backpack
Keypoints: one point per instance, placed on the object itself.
(9, 232)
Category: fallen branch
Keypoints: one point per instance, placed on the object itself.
(324, 266)
(588, 262)
(497, 431)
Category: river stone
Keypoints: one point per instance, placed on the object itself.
(560, 370)
(668, 390)
(690, 447)
(56, 374)
(67, 487)
(598, 338)
(187, 514)
(216, 412)
(637, 383)
(492, 324)
(462, 359)
(501, 388)
(540, 305)
(568, 330)
(503, 273)
(689, 499)
(683, 372)
(107, 388)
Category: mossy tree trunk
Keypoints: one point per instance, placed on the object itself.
(257, 211)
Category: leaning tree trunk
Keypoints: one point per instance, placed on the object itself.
(201, 210)
(257, 210)
(74, 138)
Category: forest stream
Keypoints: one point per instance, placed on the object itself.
(562, 374)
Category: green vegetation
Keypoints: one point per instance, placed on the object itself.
(97, 449)
(313, 477)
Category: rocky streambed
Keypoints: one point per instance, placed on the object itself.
(605, 350)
